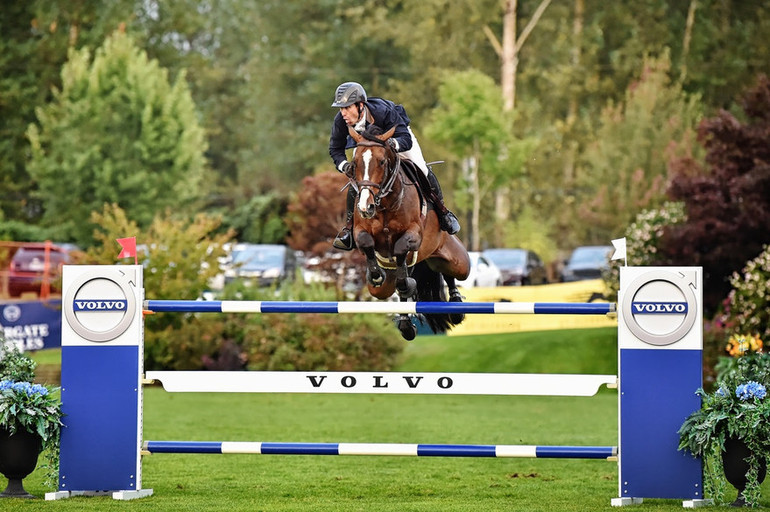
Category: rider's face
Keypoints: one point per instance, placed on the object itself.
(350, 113)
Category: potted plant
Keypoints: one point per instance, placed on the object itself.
(731, 430)
(30, 421)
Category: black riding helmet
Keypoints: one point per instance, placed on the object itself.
(348, 94)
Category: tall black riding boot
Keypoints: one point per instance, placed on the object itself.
(344, 240)
(446, 218)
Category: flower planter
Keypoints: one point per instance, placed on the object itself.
(18, 458)
(735, 467)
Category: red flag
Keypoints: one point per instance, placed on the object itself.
(128, 248)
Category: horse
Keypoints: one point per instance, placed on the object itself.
(406, 251)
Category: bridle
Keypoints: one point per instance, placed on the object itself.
(391, 173)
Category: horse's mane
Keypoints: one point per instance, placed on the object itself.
(371, 132)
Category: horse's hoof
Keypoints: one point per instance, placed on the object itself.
(407, 328)
(455, 296)
(375, 278)
(408, 289)
(456, 318)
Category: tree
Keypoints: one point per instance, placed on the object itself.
(728, 200)
(117, 132)
(315, 215)
(624, 170)
(180, 258)
(470, 120)
(36, 35)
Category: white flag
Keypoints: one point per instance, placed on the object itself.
(620, 249)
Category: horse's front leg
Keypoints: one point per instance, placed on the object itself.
(406, 286)
(375, 276)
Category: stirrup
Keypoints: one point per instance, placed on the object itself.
(344, 240)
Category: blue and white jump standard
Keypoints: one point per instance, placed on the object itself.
(659, 355)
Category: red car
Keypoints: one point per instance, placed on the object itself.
(31, 263)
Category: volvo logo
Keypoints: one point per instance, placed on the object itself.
(101, 306)
(659, 307)
(641, 308)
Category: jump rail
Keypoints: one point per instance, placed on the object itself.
(508, 308)
(528, 384)
(413, 450)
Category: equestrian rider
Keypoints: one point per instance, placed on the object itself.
(358, 111)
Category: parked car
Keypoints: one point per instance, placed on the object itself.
(587, 262)
(260, 264)
(28, 268)
(483, 272)
(518, 266)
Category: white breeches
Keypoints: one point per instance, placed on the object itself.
(415, 153)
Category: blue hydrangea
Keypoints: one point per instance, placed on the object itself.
(750, 390)
(722, 392)
(24, 387)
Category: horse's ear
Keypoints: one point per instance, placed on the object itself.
(388, 134)
(356, 136)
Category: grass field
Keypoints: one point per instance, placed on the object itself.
(304, 483)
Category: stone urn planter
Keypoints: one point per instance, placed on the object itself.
(18, 458)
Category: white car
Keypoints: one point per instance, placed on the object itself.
(484, 273)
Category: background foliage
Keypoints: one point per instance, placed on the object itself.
(119, 132)
(223, 108)
(727, 198)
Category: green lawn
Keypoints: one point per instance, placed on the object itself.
(276, 482)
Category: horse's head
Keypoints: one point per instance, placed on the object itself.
(374, 166)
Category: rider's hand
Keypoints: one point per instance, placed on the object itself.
(347, 169)
(393, 144)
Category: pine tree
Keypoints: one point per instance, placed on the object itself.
(117, 132)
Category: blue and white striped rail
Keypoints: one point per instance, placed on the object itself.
(413, 450)
(523, 308)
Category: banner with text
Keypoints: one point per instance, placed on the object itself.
(31, 325)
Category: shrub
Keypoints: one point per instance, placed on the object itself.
(747, 309)
(328, 342)
(643, 239)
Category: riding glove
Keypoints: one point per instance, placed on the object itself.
(346, 168)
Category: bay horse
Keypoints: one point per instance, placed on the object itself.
(406, 250)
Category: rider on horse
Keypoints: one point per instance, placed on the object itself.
(358, 111)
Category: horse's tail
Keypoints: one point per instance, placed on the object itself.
(430, 288)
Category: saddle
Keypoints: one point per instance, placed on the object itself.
(421, 183)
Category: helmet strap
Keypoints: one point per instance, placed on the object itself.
(361, 123)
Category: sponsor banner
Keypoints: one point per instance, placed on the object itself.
(578, 291)
(31, 325)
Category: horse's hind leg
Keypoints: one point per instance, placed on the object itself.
(454, 296)
(405, 325)
(406, 286)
